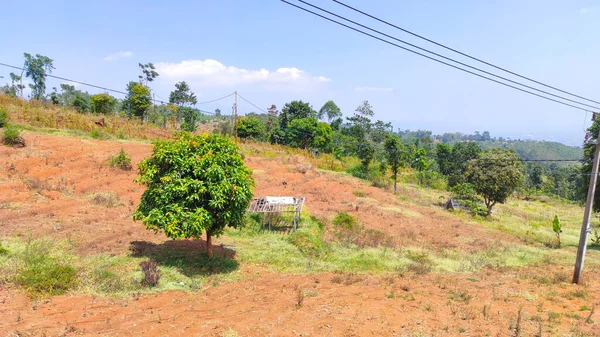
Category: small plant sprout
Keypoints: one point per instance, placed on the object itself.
(557, 228)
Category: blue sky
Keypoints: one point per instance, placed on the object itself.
(272, 53)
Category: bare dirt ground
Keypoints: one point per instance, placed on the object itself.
(51, 188)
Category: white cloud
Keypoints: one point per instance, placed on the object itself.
(372, 89)
(212, 73)
(119, 55)
(587, 10)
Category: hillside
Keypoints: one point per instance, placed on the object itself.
(537, 150)
(406, 267)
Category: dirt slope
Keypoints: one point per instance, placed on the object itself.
(49, 189)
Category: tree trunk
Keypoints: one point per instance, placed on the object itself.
(208, 244)
(395, 182)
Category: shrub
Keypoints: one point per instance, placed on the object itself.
(98, 134)
(12, 137)
(309, 240)
(3, 118)
(345, 220)
(48, 278)
(151, 273)
(3, 251)
(121, 160)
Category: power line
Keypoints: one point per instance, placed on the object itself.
(431, 58)
(461, 53)
(218, 99)
(111, 90)
(254, 105)
(446, 58)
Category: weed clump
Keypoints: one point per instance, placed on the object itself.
(309, 240)
(12, 137)
(106, 199)
(3, 118)
(151, 273)
(44, 275)
(121, 161)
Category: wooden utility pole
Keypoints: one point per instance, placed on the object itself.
(585, 226)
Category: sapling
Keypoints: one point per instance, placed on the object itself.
(557, 228)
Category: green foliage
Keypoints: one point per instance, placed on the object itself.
(103, 103)
(309, 240)
(557, 228)
(3, 118)
(295, 110)
(12, 136)
(307, 133)
(138, 100)
(147, 72)
(81, 104)
(190, 116)
(345, 220)
(224, 128)
(121, 161)
(42, 273)
(330, 110)
(195, 184)
(495, 175)
(251, 127)
(182, 95)
(48, 278)
(37, 68)
(395, 155)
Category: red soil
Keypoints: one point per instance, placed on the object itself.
(46, 190)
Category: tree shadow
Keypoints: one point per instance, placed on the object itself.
(188, 256)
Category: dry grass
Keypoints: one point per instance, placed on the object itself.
(47, 116)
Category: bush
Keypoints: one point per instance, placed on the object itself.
(12, 137)
(345, 220)
(121, 160)
(3, 118)
(151, 273)
(48, 278)
(309, 240)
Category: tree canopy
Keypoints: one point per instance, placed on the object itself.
(495, 174)
(195, 185)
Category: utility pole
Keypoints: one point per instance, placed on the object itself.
(585, 226)
(235, 117)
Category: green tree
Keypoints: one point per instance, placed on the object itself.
(147, 73)
(81, 103)
(251, 127)
(273, 114)
(190, 116)
(495, 175)
(103, 103)
(67, 95)
(394, 155)
(557, 228)
(308, 133)
(360, 122)
(37, 68)
(420, 162)
(195, 184)
(462, 153)
(182, 95)
(330, 110)
(16, 88)
(295, 110)
(444, 158)
(138, 99)
(218, 113)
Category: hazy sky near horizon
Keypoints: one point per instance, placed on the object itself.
(272, 53)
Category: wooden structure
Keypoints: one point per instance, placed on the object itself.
(273, 207)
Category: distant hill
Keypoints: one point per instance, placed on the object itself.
(537, 150)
